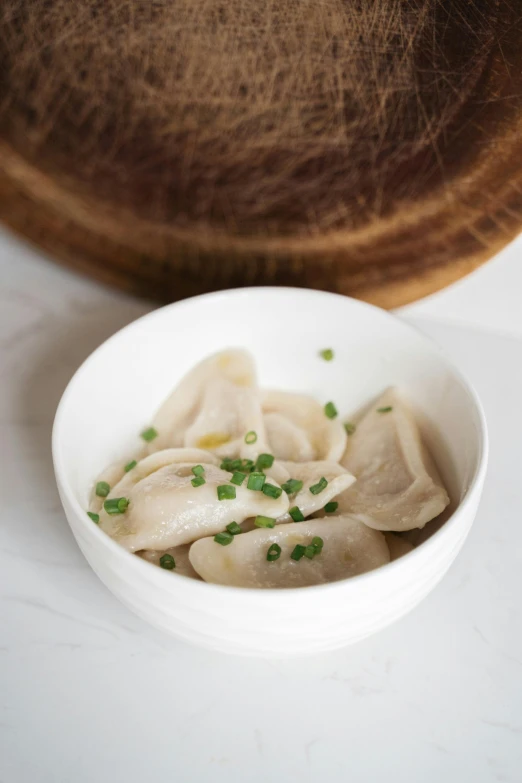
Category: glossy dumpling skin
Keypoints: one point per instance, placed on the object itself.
(213, 408)
(181, 558)
(398, 487)
(339, 479)
(298, 430)
(116, 477)
(350, 548)
(165, 510)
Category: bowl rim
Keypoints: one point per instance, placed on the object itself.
(388, 569)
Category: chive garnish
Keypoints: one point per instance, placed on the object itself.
(224, 538)
(198, 481)
(274, 553)
(309, 552)
(327, 354)
(116, 505)
(167, 562)
(261, 521)
(238, 478)
(296, 514)
(331, 507)
(130, 466)
(350, 428)
(298, 551)
(234, 528)
(93, 516)
(271, 491)
(264, 461)
(315, 489)
(247, 465)
(387, 409)
(292, 486)
(102, 489)
(256, 481)
(230, 464)
(317, 543)
(251, 437)
(226, 492)
(198, 470)
(330, 410)
(149, 434)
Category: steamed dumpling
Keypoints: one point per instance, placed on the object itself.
(166, 510)
(111, 476)
(214, 406)
(397, 545)
(397, 487)
(298, 429)
(350, 548)
(121, 482)
(181, 559)
(310, 473)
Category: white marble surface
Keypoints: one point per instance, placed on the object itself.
(88, 692)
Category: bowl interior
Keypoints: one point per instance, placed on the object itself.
(117, 390)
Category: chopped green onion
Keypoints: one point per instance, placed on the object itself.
(331, 507)
(149, 434)
(238, 478)
(93, 516)
(310, 552)
(264, 461)
(168, 562)
(198, 481)
(251, 437)
(292, 486)
(256, 481)
(116, 505)
(317, 543)
(315, 489)
(198, 470)
(350, 428)
(261, 521)
(248, 465)
(230, 464)
(298, 551)
(387, 409)
(327, 354)
(234, 528)
(102, 489)
(130, 466)
(271, 491)
(296, 514)
(224, 538)
(274, 553)
(226, 492)
(330, 410)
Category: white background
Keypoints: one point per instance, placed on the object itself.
(88, 692)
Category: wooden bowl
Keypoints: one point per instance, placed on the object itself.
(372, 148)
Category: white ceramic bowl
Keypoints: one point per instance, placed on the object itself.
(116, 391)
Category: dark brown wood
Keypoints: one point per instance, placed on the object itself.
(373, 148)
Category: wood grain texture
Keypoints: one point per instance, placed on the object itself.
(171, 155)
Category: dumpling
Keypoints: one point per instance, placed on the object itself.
(349, 548)
(398, 546)
(397, 487)
(166, 510)
(298, 429)
(121, 481)
(111, 476)
(311, 473)
(213, 408)
(180, 554)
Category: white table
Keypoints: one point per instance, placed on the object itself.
(88, 692)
